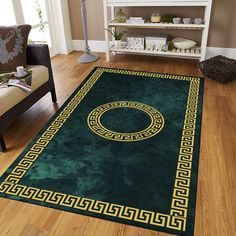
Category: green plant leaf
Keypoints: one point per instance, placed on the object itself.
(117, 34)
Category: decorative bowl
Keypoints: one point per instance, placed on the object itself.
(198, 21)
(182, 43)
(176, 20)
(187, 20)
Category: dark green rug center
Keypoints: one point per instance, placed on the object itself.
(125, 120)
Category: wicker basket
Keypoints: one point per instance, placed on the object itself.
(219, 68)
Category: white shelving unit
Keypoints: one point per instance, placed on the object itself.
(196, 53)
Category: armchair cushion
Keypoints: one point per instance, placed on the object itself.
(11, 96)
(13, 45)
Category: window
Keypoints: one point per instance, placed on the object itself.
(49, 20)
(33, 12)
(7, 15)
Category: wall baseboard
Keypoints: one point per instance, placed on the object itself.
(100, 46)
(63, 48)
(214, 51)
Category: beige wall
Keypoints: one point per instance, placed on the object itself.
(222, 28)
(223, 24)
(94, 18)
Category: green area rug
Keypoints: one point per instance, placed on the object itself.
(124, 147)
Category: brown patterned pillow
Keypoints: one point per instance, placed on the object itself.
(13, 44)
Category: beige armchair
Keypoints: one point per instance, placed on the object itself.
(14, 101)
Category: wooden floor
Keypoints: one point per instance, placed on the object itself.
(216, 197)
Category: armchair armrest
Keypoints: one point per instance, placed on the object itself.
(38, 54)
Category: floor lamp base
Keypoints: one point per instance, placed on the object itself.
(87, 58)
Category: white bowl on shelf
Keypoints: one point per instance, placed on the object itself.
(187, 20)
(176, 20)
(182, 43)
(198, 21)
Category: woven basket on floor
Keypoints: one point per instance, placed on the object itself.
(219, 68)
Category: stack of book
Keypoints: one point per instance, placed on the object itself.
(135, 20)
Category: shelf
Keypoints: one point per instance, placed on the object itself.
(160, 26)
(146, 3)
(191, 53)
(110, 7)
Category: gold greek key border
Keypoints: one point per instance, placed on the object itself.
(177, 217)
(156, 125)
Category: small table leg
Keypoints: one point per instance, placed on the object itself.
(2, 143)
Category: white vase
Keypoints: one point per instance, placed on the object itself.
(118, 44)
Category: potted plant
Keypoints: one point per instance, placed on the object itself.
(118, 35)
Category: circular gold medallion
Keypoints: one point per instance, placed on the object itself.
(156, 125)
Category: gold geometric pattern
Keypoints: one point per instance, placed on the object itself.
(156, 125)
(175, 219)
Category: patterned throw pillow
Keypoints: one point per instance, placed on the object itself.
(13, 44)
